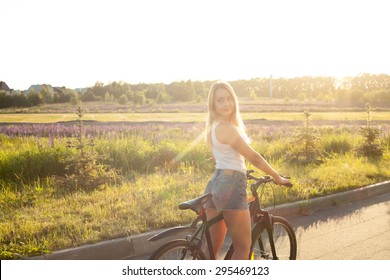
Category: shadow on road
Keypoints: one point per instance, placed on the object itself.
(335, 232)
(339, 212)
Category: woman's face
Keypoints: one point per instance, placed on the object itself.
(223, 104)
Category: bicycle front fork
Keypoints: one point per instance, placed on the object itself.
(264, 220)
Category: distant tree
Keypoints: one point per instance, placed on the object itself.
(154, 90)
(97, 92)
(4, 99)
(33, 98)
(123, 99)
(88, 96)
(45, 95)
(364, 88)
(163, 97)
(116, 89)
(253, 93)
(241, 87)
(181, 91)
(74, 97)
(139, 98)
(108, 97)
(201, 89)
(62, 96)
(14, 100)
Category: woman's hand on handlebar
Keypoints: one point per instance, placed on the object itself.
(280, 180)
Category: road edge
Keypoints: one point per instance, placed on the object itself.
(138, 245)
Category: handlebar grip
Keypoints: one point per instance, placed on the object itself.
(288, 185)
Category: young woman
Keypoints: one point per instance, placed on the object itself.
(230, 147)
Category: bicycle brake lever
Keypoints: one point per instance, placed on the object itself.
(248, 172)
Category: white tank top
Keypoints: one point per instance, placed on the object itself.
(225, 156)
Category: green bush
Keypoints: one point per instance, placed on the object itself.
(29, 165)
(273, 150)
(371, 147)
(85, 171)
(126, 154)
(305, 148)
(337, 143)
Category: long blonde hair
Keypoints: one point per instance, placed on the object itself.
(235, 118)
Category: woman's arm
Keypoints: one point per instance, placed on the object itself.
(228, 134)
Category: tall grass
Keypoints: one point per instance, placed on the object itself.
(163, 165)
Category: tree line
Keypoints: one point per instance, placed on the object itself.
(348, 91)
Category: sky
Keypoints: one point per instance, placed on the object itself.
(76, 43)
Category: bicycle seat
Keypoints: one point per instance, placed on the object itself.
(195, 204)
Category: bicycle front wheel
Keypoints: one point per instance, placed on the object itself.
(284, 239)
(178, 250)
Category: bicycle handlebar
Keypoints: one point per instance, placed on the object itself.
(265, 179)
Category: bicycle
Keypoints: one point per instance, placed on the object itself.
(272, 236)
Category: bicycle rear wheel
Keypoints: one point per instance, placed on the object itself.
(284, 239)
(178, 250)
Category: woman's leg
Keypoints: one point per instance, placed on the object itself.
(217, 233)
(238, 225)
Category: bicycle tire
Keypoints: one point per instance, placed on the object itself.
(178, 250)
(284, 239)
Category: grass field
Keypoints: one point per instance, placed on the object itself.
(37, 216)
(187, 117)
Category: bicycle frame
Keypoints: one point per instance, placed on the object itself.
(259, 217)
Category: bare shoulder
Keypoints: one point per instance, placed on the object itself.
(226, 132)
(226, 127)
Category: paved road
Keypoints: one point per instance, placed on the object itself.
(358, 230)
(352, 231)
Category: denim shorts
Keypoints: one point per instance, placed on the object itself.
(228, 190)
